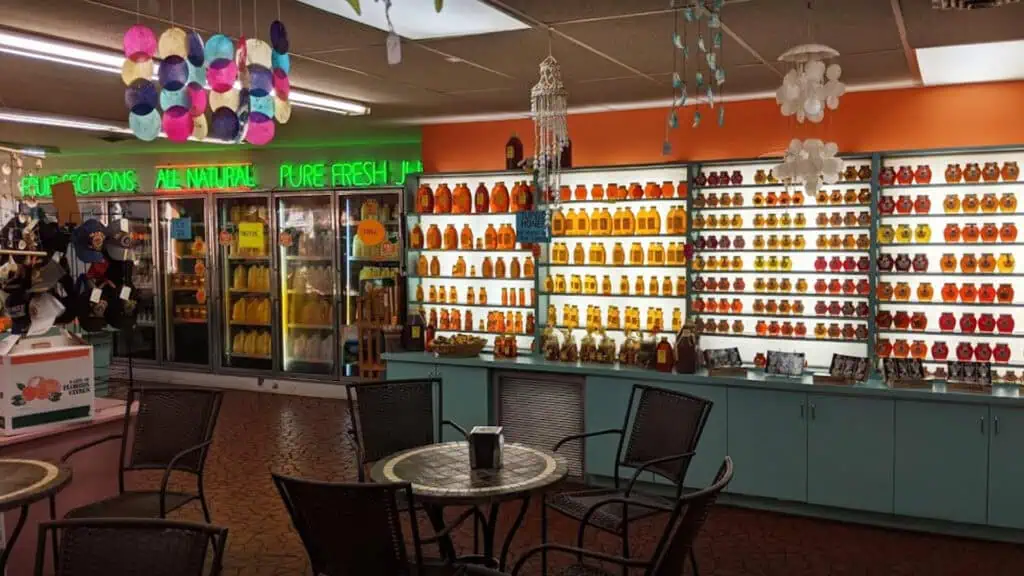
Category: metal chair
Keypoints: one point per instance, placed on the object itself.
(666, 428)
(392, 416)
(354, 529)
(173, 431)
(131, 547)
(686, 518)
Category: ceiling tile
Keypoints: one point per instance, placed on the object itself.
(419, 67)
(927, 27)
(325, 78)
(518, 54)
(879, 67)
(773, 26)
(645, 42)
(549, 11)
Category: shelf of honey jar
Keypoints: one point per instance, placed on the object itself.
(453, 318)
(670, 220)
(771, 284)
(792, 201)
(475, 296)
(948, 260)
(959, 172)
(446, 195)
(615, 318)
(649, 252)
(631, 285)
(941, 348)
(725, 176)
(477, 236)
(812, 262)
(984, 232)
(997, 293)
(479, 267)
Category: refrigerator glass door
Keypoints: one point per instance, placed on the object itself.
(140, 343)
(307, 283)
(184, 254)
(244, 261)
(367, 264)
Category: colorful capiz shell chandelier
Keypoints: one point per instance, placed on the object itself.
(245, 86)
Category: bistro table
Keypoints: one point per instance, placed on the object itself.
(440, 476)
(22, 483)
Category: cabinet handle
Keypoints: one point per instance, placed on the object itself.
(801, 410)
(981, 421)
(995, 424)
(812, 411)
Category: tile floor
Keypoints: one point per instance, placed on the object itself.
(258, 433)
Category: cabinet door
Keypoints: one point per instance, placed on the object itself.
(466, 393)
(941, 460)
(606, 401)
(849, 452)
(713, 444)
(1006, 469)
(768, 443)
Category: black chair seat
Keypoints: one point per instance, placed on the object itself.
(435, 569)
(574, 570)
(608, 517)
(132, 505)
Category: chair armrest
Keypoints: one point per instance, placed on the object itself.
(649, 463)
(73, 451)
(628, 562)
(471, 511)
(625, 503)
(457, 428)
(585, 435)
(170, 467)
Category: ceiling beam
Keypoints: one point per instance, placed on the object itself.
(908, 51)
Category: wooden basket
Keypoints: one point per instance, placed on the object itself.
(468, 350)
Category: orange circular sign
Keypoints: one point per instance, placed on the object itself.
(371, 232)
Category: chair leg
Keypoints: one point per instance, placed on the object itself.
(625, 541)
(543, 534)
(693, 562)
(53, 533)
(202, 502)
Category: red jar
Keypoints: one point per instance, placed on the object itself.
(947, 322)
(964, 352)
(1001, 352)
(986, 323)
(940, 351)
(983, 352)
(1005, 324)
(923, 174)
(968, 323)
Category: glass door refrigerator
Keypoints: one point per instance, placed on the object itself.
(184, 252)
(142, 343)
(245, 283)
(362, 264)
(307, 284)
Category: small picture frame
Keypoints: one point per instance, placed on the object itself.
(722, 358)
(849, 367)
(784, 363)
(897, 370)
(972, 373)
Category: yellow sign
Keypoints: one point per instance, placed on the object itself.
(250, 235)
(371, 232)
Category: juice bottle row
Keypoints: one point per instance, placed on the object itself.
(654, 318)
(631, 192)
(555, 284)
(657, 254)
(497, 322)
(601, 222)
(501, 238)
(489, 269)
(450, 295)
(462, 201)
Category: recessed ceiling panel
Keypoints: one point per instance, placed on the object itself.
(927, 27)
(418, 20)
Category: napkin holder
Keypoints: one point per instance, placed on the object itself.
(485, 447)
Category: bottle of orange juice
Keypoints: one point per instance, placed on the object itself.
(515, 270)
(582, 223)
(499, 267)
(628, 223)
(528, 267)
(499, 198)
(636, 254)
(557, 223)
(442, 200)
(416, 238)
(488, 267)
(481, 199)
(652, 288)
(433, 237)
(617, 222)
(506, 237)
(451, 238)
(666, 286)
(624, 285)
(462, 201)
(618, 254)
(570, 223)
(638, 286)
(466, 238)
(422, 266)
(641, 222)
(606, 285)
(435, 266)
(656, 254)
(653, 221)
(578, 255)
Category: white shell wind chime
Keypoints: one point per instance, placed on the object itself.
(811, 86)
(811, 163)
(549, 108)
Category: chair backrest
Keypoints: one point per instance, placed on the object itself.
(170, 420)
(132, 547)
(351, 529)
(685, 523)
(665, 423)
(392, 416)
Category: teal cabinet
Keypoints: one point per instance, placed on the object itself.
(941, 461)
(849, 452)
(606, 402)
(466, 393)
(1006, 468)
(713, 445)
(768, 443)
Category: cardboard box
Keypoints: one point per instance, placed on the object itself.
(45, 380)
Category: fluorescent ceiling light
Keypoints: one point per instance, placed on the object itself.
(417, 20)
(108, 61)
(76, 123)
(969, 63)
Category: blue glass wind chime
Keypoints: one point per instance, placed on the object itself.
(705, 16)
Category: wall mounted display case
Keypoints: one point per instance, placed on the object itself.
(617, 260)
(779, 269)
(185, 271)
(467, 272)
(948, 246)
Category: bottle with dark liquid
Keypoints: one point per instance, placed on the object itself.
(513, 152)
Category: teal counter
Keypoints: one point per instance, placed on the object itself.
(919, 458)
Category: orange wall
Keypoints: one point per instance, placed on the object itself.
(952, 116)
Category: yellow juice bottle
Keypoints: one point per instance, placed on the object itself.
(579, 255)
(653, 221)
(677, 320)
(570, 223)
(652, 288)
(606, 285)
(624, 285)
(488, 267)
(680, 286)
(641, 222)
(422, 266)
(636, 254)
(629, 223)
(419, 292)
(552, 315)
(582, 223)
(528, 267)
(499, 267)
(549, 284)
(656, 254)
(483, 296)
(618, 254)
(638, 286)
(466, 238)
(558, 223)
(666, 286)
(491, 238)
(515, 270)
(559, 284)
(670, 255)
(470, 297)
(435, 266)
(617, 222)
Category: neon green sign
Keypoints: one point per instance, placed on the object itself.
(358, 174)
(215, 177)
(86, 183)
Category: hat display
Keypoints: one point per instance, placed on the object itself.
(262, 105)
(228, 99)
(178, 124)
(196, 51)
(93, 302)
(282, 110)
(121, 308)
(196, 74)
(260, 130)
(170, 98)
(219, 47)
(118, 244)
(282, 85)
(197, 99)
(88, 239)
(132, 71)
(141, 96)
(261, 81)
(281, 61)
(43, 312)
(145, 126)
(47, 276)
(279, 36)
(221, 74)
(64, 291)
(225, 124)
(200, 129)
(139, 43)
(258, 53)
(173, 73)
(173, 42)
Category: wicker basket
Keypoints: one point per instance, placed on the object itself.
(467, 350)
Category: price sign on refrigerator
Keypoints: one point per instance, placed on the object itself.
(250, 235)
(181, 228)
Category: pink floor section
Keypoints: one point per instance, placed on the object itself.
(258, 433)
